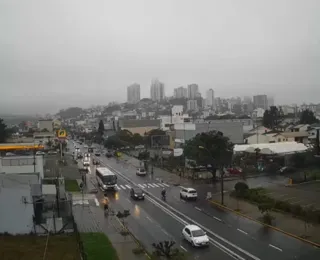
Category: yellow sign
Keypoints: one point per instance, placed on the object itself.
(62, 133)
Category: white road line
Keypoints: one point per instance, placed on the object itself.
(166, 185)
(128, 186)
(220, 220)
(198, 208)
(128, 200)
(149, 219)
(282, 195)
(161, 185)
(240, 230)
(97, 202)
(308, 205)
(149, 184)
(290, 198)
(296, 202)
(123, 187)
(277, 248)
(155, 185)
(140, 186)
(184, 248)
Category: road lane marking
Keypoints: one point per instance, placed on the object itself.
(149, 219)
(140, 186)
(166, 185)
(290, 198)
(128, 200)
(277, 248)
(296, 202)
(184, 248)
(97, 202)
(218, 219)
(156, 201)
(198, 208)
(123, 187)
(155, 185)
(240, 230)
(150, 185)
(160, 184)
(128, 186)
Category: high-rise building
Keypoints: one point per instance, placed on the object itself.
(193, 89)
(260, 101)
(192, 105)
(270, 102)
(157, 90)
(210, 98)
(133, 93)
(180, 92)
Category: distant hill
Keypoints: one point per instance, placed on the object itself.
(70, 112)
(16, 119)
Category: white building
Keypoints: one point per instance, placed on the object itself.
(210, 98)
(45, 125)
(157, 90)
(22, 165)
(180, 92)
(133, 93)
(177, 110)
(192, 105)
(193, 90)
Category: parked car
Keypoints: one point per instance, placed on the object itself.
(109, 154)
(137, 193)
(52, 152)
(141, 172)
(40, 153)
(188, 193)
(235, 170)
(286, 169)
(195, 236)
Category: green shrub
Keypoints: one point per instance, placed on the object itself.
(267, 219)
(241, 187)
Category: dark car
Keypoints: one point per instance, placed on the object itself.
(97, 153)
(109, 154)
(95, 162)
(137, 193)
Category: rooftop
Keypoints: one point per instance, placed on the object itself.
(295, 134)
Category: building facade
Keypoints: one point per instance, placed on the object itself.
(193, 89)
(192, 105)
(157, 90)
(210, 98)
(133, 93)
(260, 101)
(180, 92)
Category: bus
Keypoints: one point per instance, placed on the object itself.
(106, 179)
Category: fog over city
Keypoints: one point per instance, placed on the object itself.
(56, 54)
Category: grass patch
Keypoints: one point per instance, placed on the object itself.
(64, 247)
(98, 246)
(72, 185)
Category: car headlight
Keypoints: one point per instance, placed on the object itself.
(143, 194)
(135, 195)
(104, 186)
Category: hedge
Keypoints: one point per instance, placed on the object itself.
(258, 196)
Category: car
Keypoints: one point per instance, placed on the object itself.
(97, 153)
(79, 156)
(141, 172)
(52, 152)
(195, 236)
(40, 153)
(90, 150)
(137, 193)
(95, 162)
(188, 193)
(109, 154)
(235, 170)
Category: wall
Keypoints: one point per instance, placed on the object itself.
(46, 124)
(139, 130)
(22, 164)
(16, 217)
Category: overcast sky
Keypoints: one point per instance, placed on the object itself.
(60, 53)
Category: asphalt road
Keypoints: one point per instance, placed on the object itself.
(231, 235)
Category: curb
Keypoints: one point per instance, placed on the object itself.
(302, 183)
(265, 225)
(135, 239)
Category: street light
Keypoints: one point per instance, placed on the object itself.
(221, 173)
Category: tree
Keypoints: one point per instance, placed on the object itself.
(217, 152)
(44, 130)
(113, 142)
(137, 139)
(166, 250)
(125, 136)
(308, 117)
(101, 128)
(271, 118)
(3, 131)
(265, 208)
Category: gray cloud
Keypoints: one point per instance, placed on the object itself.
(59, 53)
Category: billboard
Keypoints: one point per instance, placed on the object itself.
(62, 133)
(160, 140)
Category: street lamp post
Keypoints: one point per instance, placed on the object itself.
(221, 174)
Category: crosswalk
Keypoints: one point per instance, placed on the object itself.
(143, 186)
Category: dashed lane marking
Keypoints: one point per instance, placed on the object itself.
(277, 248)
(243, 232)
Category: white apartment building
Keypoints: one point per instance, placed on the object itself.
(210, 98)
(193, 89)
(133, 93)
(180, 92)
(157, 90)
(177, 110)
(192, 105)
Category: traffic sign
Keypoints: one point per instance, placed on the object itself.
(62, 133)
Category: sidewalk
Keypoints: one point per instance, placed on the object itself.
(284, 222)
(91, 219)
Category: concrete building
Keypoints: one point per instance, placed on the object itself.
(193, 90)
(157, 90)
(192, 105)
(43, 137)
(139, 126)
(210, 98)
(180, 92)
(133, 93)
(270, 102)
(260, 101)
(177, 110)
(45, 124)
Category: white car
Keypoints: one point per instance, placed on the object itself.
(40, 153)
(141, 172)
(86, 162)
(188, 193)
(195, 236)
(85, 146)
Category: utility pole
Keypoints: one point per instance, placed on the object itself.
(222, 187)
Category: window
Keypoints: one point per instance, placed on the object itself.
(14, 162)
(6, 162)
(23, 162)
